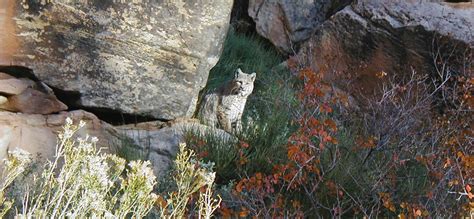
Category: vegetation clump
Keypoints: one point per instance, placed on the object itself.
(190, 177)
(404, 152)
(82, 182)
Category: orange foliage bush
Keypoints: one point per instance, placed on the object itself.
(440, 146)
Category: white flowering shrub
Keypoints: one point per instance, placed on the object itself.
(14, 165)
(191, 176)
(83, 183)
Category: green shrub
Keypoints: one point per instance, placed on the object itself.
(189, 176)
(130, 151)
(250, 53)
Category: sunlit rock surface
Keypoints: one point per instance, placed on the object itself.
(37, 134)
(148, 58)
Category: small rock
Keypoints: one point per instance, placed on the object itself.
(34, 102)
(4, 76)
(161, 163)
(14, 86)
(3, 100)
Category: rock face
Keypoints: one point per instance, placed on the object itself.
(287, 23)
(149, 58)
(391, 37)
(37, 133)
(161, 145)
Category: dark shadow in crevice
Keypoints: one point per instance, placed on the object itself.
(72, 100)
(336, 6)
(19, 72)
(240, 20)
(114, 117)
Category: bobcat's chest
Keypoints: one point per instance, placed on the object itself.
(232, 106)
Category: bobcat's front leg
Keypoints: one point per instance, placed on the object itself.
(224, 121)
(238, 123)
(238, 126)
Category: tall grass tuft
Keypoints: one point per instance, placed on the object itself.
(250, 53)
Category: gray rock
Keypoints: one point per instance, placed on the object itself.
(161, 163)
(443, 18)
(287, 23)
(372, 37)
(160, 146)
(148, 58)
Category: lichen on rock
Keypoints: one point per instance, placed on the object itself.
(142, 57)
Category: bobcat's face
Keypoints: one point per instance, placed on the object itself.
(244, 83)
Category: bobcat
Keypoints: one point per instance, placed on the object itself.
(225, 106)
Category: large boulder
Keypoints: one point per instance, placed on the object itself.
(37, 134)
(373, 40)
(287, 23)
(148, 58)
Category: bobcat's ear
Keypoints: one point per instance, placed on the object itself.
(253, 76)
(238, 72)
